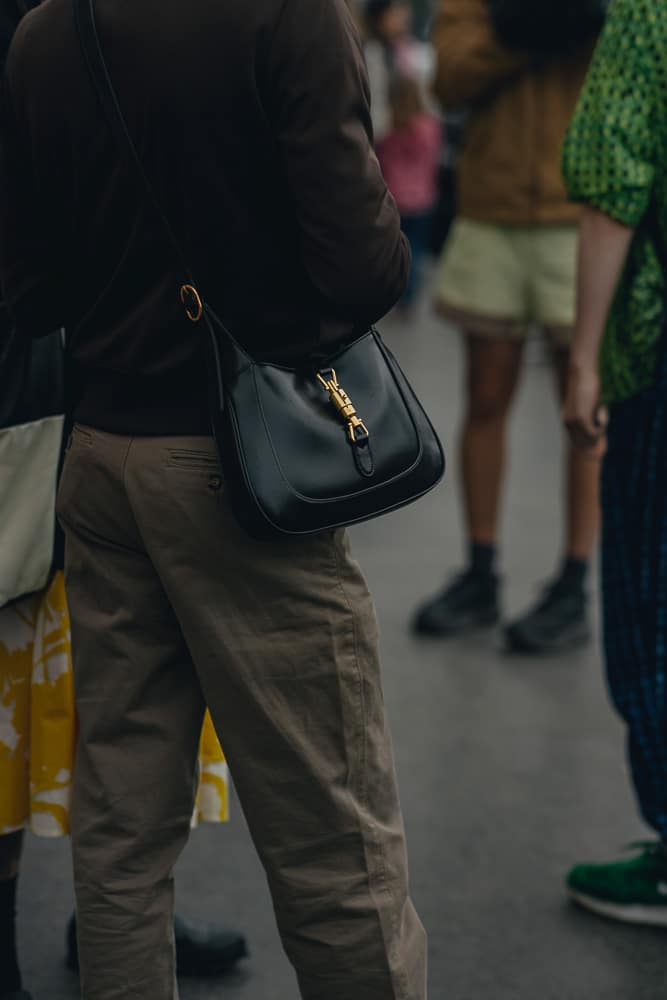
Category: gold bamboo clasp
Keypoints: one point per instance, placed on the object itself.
(356, 429)
(191, 299)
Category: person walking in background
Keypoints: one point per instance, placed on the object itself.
(391, 49)
(616, 164)
(509, 264)
(410, 156)
(292, 231)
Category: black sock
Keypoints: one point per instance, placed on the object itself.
(482, 558)
(10, 976)
(574, 572)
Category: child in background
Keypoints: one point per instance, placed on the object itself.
(391, 49)
(410, 155)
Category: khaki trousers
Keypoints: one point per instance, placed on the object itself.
(173, 607)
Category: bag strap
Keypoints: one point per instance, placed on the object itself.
(98, 70)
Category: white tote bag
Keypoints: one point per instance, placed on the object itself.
(32, 398)
(29, 460)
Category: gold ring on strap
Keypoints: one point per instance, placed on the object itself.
(191, 299)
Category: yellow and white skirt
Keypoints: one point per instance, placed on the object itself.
(38, 726)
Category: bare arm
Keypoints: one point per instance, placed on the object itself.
(603, 249)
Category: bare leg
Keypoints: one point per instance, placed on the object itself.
(559, 621)
(494, 364)
(471, 600)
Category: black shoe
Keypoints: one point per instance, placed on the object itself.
(16, 995)
(558, 622)
(204, 950)
(71, 946)
(469, 602)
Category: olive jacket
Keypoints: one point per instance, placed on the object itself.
(519, 107)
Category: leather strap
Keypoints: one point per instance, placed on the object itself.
(84, 11)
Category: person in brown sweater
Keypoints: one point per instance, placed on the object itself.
(254, 125)
(509, 266)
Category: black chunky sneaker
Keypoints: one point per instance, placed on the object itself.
(558, 622)
(203, 950)
(469, 602)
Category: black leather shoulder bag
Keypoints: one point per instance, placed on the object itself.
(304, 448)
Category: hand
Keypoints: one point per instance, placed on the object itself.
(584, 417)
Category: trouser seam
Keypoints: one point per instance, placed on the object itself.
(379, 876)
(362, 738)
(123, 470)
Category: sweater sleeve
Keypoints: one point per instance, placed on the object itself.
(611, 151)
(352, 246)
(471, 62)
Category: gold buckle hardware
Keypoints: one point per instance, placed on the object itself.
(194, 307)
(356, 429)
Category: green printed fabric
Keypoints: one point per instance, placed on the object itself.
(615, 159)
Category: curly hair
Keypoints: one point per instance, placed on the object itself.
(548, 25)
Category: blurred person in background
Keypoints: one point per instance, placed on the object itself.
(410, 157)
(509, 265)
(392, 50)
(616, 164)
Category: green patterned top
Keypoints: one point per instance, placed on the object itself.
(615, 159)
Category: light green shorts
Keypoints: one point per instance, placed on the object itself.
(497, 279)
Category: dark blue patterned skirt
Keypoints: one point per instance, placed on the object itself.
(634, 586)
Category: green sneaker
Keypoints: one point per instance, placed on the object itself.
(634, 891)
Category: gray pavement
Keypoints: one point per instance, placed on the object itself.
(510, 769)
